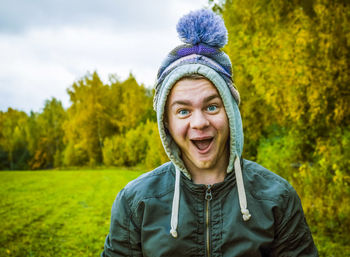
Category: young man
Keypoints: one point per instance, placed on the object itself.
(207, 201)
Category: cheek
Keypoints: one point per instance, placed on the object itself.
(222, 125)
(177, 129)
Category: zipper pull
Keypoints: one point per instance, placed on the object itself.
(208, 195)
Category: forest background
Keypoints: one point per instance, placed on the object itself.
(291, 65)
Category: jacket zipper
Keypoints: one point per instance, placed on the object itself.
(208, 197)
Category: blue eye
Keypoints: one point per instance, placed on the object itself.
(183, 112)
(212, 108)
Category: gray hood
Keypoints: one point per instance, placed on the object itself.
(231, 108)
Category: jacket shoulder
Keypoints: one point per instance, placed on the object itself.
(153, 184)
(264, 184)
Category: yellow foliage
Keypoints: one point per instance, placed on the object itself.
(291, 61)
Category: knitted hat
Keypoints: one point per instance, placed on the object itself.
(203, 33)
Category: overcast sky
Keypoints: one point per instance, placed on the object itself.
(46, 45)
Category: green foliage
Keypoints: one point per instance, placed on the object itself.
(133, 105)
(101, 112)
(291, 64)
(87, 124)
(47, 142)
(141, 145)
(74, 155)
(113, 151)
(155, 155)
(325, 186)
(14, 152)
(330, 248)
(280, 152)
(57, 213)
(34, 141)
(112, 124)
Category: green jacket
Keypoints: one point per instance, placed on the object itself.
(210, 221)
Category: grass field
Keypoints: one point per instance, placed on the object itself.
(57, 213)
(67, 213)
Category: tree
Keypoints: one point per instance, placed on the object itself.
(13, 139)
(48, 133)
(133, 103)
(85, 126)
(100, 111)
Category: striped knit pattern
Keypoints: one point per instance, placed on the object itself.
(197, 54)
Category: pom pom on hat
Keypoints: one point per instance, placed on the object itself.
(202, 26)
(203, 33)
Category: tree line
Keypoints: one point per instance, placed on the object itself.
(109, 124)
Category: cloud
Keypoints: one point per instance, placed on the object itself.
(54, 43)
(18, 16)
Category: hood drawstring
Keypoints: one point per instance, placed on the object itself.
(241, 195)
(241, 190)
(175, 208)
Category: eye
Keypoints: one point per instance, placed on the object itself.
(183, 112)
(212, 108)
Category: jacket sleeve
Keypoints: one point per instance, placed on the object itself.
(124, 237)
(292, 234)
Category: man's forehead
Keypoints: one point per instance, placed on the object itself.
(190, 90)
(188, 84)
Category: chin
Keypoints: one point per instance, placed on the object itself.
(205, 164)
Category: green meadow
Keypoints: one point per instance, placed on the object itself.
(67, 213)
(57, 213)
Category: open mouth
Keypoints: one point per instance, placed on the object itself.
(202, 144)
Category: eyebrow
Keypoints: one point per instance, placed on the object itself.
(185, 102)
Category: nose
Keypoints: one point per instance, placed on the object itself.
(199, 120)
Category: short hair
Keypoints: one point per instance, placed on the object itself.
(193, 76)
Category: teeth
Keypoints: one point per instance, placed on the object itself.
(202, 144)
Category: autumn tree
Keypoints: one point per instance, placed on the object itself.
(46, 142)
(132, 103)
(291, 65)
(85, 126)
(13, 140)
(100, 111)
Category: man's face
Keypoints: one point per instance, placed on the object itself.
(197, 121)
